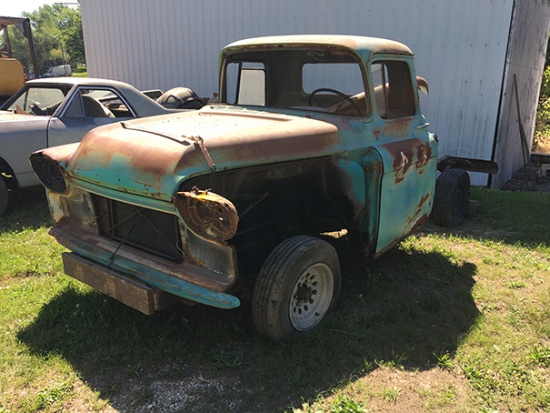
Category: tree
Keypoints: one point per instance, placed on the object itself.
(541, 141)
(72, 35)
(57, 34)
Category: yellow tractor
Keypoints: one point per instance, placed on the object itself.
(12, 75)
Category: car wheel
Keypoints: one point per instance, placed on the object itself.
(298, 284)
(4, 196)
(452, 198)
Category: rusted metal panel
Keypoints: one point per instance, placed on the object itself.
(365, 46)
(406, 154)
(154, 161)
(468, 164)
(408, 184)
(208, 214)
(107, 251)
(187, 280)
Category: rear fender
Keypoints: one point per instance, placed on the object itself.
(467, 164)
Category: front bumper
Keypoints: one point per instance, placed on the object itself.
(109, 263)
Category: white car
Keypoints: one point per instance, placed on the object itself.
(57, 111)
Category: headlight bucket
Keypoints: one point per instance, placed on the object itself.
(207, 214)
(50, 173)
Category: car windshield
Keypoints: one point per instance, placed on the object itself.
(38, 100)
(328, 81)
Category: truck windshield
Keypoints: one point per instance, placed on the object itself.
(314, 80)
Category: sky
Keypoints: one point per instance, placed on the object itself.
(14, 8)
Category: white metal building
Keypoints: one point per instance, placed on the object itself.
(468, 50)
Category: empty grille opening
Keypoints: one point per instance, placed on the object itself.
(148, 230)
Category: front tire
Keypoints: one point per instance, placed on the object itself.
(299, 283)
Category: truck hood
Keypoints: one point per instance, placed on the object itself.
(153, 156)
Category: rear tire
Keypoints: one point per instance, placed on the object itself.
(4, 196)
(452, 198)
(298, 284)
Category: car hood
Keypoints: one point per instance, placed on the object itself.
(153, 156)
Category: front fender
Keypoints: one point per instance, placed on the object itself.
(18, 139)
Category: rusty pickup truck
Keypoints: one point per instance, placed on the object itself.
(309, 134)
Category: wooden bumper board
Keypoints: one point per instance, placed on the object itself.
(125, 289)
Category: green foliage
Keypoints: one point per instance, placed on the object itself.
(69, 23)
(445, 361)
(227, 358)
(542, 124)
(391, 394)
(344, 404)
(46, 398)
(541, 355)
(57, 36)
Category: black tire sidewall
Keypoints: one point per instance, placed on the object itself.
(452, 197)
(278, 277)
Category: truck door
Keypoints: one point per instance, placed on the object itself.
(408, 151)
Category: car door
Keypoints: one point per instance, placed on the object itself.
(408, 151)
(25, 129)
(85, 109)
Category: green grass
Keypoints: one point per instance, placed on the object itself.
(80, 71)
(449, 321)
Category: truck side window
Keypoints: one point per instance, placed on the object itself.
(393, 89)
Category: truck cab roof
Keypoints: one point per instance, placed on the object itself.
(363, 45)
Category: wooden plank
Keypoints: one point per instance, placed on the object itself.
(125, 289)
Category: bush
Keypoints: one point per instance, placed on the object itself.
(541, 141)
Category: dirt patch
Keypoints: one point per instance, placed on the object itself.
(435, 390)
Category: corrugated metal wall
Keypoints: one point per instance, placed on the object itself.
(460, 47)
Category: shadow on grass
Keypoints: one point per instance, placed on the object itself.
(28, 208)
(403, 309)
